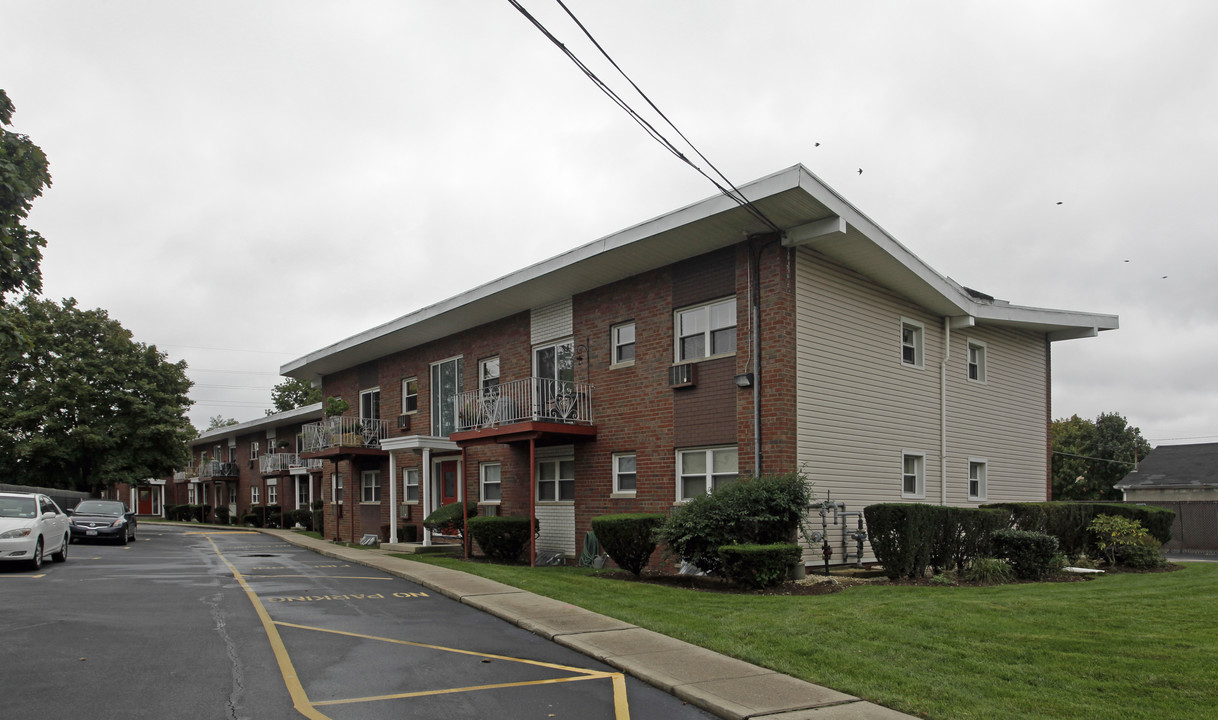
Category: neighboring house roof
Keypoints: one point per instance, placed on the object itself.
(287, 417)
(1175, 466)
(808, 210)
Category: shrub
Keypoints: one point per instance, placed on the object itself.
(1068, 521)
(1112, 532)
(762, 510)
(253, 519)
(302, 517)
(222, 515)
(274, 516)
(629, 539)
(759, 566)
(447, 519)
(205, 513)
(988, 570)
(961, 534)
(408, 533)
(1029, 553)
(500, 537)
(902, 535)
(1145, 555)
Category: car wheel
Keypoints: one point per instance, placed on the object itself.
(123, 539)
(36, 561)
(63, 551)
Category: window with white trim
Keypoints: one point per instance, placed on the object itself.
(913, 475)
(370, 486)
(911, 343)
(625, 473)
(410, 482)
(232, 453)
(488, 373)
(489, 482)
(410, 395)
(302, 494)
(701, 471)
(192, 495)
(622, 339)
(254, 450)
(272, 492)
(336, 488)
(254, 499)
(977, 470)
(706, 330)
(555, 480)
(370, 404)
(976, 361)
(445, 384)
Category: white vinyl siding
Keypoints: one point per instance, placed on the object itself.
(551, 322)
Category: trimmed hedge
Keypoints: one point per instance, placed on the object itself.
(500, 537)
(1030, 554)
(963, 534)
(759, 566)
(908, 538)
(629, 538)
(1068, 521)
(292, 517)
(447, 519)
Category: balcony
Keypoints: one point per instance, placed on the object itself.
(216, 469)
(344, 436)
(273, 463)
(520, 409)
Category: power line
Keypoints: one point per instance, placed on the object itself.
(1084, 457)
(244, 350)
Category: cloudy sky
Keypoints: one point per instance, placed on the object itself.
(241, 183)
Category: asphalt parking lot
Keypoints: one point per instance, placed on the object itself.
(200, 624)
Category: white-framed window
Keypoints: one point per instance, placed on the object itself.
(977, 469)
(370, 486)
(555, 479)
(704, 470)
(410, 395)
(911, 343)
(445, 384)
(254, 497)
(976, 361)
(254, 450)
(488, 373)
(622, 339)
(302, 494)
(625, 473)
(913, 475)
(370, 404)
(410, 482)
(336, 488)
(192, 495)
(490, 483)
(272, 492)
(299, 443)
(707, 330)
(232, 453)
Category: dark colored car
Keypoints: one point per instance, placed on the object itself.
(102, 520)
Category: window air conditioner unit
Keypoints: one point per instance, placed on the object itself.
(681, 376)
(403, 422)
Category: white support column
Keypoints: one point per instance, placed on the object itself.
(426, 483)
(393, 497)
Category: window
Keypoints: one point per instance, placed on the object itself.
(911, 343)
(254, 499)
(272, 492)
(336, 488)
(410, 481)
(488, 373)
(445, 384)
(555, 480)
(913, 475)
(254, 450)
(232, 453)
(706, 330)
(624, 473)
(976, 361)
(704, 470)
(489, 474)
(302, 494)
(410, 395)
(976, 479)
(622, 337)
(370, 404)
(192, 495)
(370, 486)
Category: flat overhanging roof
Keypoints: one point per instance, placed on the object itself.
(810, 212)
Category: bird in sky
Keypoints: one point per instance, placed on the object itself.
(860, 171)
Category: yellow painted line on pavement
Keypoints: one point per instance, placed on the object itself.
(222, 532)
(28, 577)
(328, 577)
(472, 688)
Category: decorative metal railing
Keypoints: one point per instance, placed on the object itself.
(215, 468)
(530, 399)
(344, 432)
(279, 462)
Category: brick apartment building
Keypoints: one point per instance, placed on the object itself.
(660, 362)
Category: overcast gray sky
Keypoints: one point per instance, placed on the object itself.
(241, 183)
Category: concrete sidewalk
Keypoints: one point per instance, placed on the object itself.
(721, 685)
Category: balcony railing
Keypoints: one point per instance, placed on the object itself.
(344, 432)
(280, 462)
(215, 468)
(531, 399)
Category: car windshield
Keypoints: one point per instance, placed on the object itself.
(97, 507)
(18, 507)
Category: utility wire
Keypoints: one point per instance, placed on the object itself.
(1084, 457)
(650, 129)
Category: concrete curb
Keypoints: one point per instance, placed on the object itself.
(729, 688)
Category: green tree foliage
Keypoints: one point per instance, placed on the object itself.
(219, 421)
(85, 406)
(292, 393)
(1089, 457)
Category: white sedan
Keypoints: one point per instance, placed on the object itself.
(31, 526)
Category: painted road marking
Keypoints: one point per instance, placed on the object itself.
(30, 577)
(355, 596)
(329, 577)
(300, 699)
(222, 532)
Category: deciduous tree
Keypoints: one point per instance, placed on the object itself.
(292, 393)
(1089, 457)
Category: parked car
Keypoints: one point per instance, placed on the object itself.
(31, 525)
(102, 520)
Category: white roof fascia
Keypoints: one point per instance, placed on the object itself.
(283, 418)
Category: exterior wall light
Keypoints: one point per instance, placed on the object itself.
(744, 380)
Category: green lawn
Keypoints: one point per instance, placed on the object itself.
(1120, 646)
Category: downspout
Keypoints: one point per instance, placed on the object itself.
(426, 482)
(532, 504)
(465, 541)
(947, 355)
(393, 498)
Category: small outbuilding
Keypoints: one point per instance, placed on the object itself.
(1176, 473)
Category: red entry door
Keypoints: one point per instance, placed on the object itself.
(144, 505)
(448, 482)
